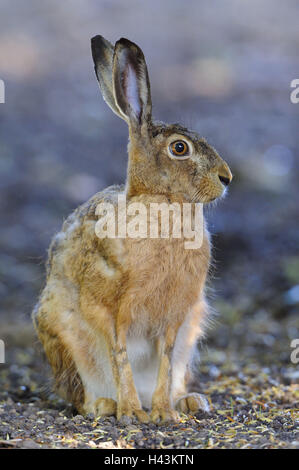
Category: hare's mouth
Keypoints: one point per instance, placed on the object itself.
(206, 197)
(209, 198)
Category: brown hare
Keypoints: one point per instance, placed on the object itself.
(120, 317)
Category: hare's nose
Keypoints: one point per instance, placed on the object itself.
(225, 175)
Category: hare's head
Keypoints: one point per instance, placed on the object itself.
(163, 158)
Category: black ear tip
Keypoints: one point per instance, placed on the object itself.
(124, 42)
(97, 40)
(97, 45)
(101, 49)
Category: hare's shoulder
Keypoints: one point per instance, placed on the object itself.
(87, 211)
(78, 229)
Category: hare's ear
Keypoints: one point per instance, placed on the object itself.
(102, 54)
(131, 85)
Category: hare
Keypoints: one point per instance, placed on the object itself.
(119, 318)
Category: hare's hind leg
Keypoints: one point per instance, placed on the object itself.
(79, 358)
(68, 383)
(105, 407)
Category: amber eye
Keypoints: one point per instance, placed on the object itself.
(179, 148)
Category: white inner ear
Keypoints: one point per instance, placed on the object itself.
(132, 91)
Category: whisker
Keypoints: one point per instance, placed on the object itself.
(195, 196)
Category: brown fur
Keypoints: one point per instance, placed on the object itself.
(101, 293)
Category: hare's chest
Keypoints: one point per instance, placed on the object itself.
(165, 278)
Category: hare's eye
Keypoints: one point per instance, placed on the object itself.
(179, 148)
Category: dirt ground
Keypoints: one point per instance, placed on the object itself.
(226, 72)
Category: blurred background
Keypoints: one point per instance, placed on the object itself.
(221, 68)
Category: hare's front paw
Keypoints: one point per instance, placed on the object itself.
(163, 414)
(126, 410)
(192, 403)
